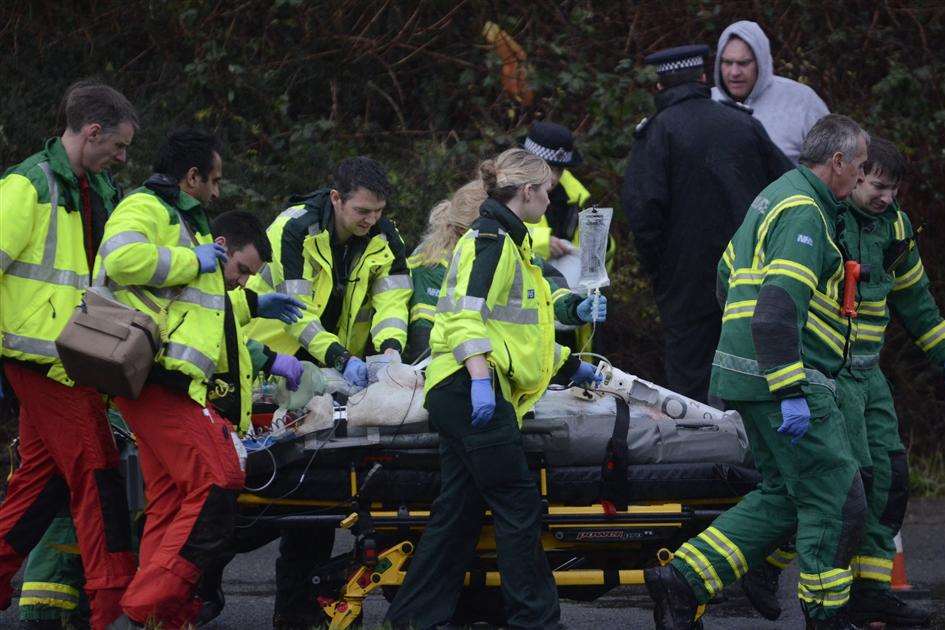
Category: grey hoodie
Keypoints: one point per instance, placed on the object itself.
(786, 108)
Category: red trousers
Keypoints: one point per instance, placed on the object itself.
(67, 455)
(192, 476)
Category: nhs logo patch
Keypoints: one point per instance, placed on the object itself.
(531, 294)
(805, 240)
(433, 292)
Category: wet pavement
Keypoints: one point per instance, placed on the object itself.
(249, 583)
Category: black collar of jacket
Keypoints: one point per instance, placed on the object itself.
(507, 219)
(165, 187)
(679, 93)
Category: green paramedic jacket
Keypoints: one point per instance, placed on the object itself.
(43, 266)
(781, 280)
(897, 284)
(376, 293)
(495, 302)
(427, 281)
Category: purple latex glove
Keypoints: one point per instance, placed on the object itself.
(356, 372)
(796, 418)
(483, 401)
(586, 376)
(288, 367)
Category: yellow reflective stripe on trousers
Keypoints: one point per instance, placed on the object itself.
(785, 376)
(909, 278)
(726, 548)
(702, 567)
(793, 270)
(869, 332)
(932, 338)
(49, 594)
(871, 568)
(737, 310)
(825, 333)
(781, 558)
(872, 309)
(828, 588)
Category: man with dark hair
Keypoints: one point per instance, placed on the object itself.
(694, 168)
(878, 235)
(158, 251)
(783, 341)
(53, 207)
(334, 252)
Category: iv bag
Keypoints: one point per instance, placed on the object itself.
(594, 226)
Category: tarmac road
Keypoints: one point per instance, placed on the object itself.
(250, 592)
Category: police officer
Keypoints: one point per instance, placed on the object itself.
(557, 233)
(494, 355)
(694, 168)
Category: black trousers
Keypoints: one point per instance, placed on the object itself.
(689, 349)
(480, 468)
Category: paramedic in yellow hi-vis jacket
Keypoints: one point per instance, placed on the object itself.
(333, 251)
(494, 354)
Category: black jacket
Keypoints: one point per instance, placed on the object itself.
(695, 167)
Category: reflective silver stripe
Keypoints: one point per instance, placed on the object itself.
(120, 240)
(49, 275)
(750, 367)
(65, 601)
(833, 579)
(365, 314)
(454, 271)
(864, 568)
(309, 333)
(557, 356)
(296, 287)
(293, 213)
(446, 305)
(390, 322)
(162, 268)
(49, 248)
(468, 348)
(389, 283)
(191, 355)
(700, 564)
(864, 362)
(192, 296)
(183, 237)
(266, 273)
(5, 261)
(30, 345)
(99, 280)
(729, 552)
(513, 315)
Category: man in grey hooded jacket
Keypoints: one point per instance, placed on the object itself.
(744, 73)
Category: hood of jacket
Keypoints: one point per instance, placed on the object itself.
(751, 34)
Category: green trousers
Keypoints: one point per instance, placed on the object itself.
(53, 580)
(813, 488)
(873, 428)
(479, 468)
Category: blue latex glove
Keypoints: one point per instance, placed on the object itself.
(586, 376)
(585, 310)
(796, 416)
(279, 306)
(356, 372)
(208, 254)
(288, 367)
(483, 401)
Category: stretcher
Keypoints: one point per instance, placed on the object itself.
(613, 505)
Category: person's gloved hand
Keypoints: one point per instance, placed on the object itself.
(585, 310)
(208, 254)
(586, 376)
(356, 372)
(279, 306)
(288, 367)
(483, 401)
(796, 416)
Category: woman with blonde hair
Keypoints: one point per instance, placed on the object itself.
(493, 355)
(449, 220)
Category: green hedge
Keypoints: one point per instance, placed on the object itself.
(295, 86)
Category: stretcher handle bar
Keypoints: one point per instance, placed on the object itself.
(302, 520)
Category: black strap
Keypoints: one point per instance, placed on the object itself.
(614, 485)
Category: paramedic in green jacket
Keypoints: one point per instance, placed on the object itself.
(449, 220)
(775, 364)
(877, 234)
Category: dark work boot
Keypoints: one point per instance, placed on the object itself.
(675, 603)
(869, 604)
(761, 587)
(840, 621)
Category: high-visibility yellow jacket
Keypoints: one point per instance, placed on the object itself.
(496, 302)
(375, 293)
(43, 264)
(147, 244)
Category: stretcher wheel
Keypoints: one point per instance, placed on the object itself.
(407, 548)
